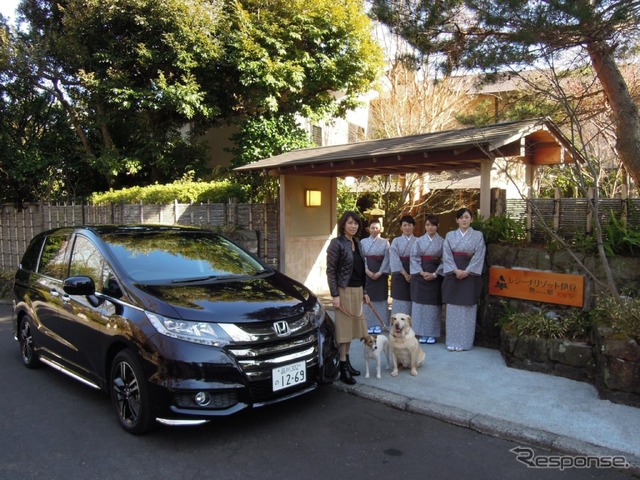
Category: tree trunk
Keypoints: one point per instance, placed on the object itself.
(55, 90)
(104, 129)
(625, 111)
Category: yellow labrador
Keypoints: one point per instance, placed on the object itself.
(405, 349)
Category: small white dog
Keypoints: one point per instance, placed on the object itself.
(374, 345)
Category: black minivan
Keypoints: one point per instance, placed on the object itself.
(177, 324)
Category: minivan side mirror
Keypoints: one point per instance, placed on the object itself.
(79, 285)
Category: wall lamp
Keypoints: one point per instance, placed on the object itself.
(313, 198)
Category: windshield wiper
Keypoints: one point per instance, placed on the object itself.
(208, 278)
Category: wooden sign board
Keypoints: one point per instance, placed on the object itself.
(537, 285)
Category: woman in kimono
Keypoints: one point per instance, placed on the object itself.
(376, 263)
(426, 297)
(463, 255)
(399, 262)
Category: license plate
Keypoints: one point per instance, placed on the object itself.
(289, 375)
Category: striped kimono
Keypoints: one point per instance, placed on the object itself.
(465, 252)
(376, 259)
(426, 298)
(399, 260)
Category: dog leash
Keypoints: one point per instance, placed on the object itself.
(349, 314)
(384, 327)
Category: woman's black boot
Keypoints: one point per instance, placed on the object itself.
(352, 370)
(345, 374)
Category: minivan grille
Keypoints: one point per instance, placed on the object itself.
(263, 350)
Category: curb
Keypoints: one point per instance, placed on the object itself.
(488, 425)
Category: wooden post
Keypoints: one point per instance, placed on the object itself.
(556, 210)
(485, 188)
(175, 211)
(265, 233)
(498, 202)
(589, 210)
(624, 199)
(2, 227)
(529, 176)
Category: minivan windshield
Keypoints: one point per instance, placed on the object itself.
(180, 256)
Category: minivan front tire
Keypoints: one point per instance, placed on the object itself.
(27, 346)
(130, 394)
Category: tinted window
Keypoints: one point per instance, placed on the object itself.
(53, 254)
(171, 255)
(30, 257)
(86, 260)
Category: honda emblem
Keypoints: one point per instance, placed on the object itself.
(281, 328)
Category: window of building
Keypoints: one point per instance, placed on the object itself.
(316, 135)
(356, 133)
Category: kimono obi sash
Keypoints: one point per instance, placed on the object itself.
(462, 259)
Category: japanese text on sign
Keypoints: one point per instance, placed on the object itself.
(548, 287)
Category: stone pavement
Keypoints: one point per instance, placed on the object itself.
(476, 389)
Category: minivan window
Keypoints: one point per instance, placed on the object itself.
(86, 260)
(31, 255)
(52, 261)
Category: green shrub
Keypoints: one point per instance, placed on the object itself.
(583, 243)
(535, 324)
(183, 191)
(578, 323)
(619, 239)
(573, 324)
(501, 229)
(621, 314)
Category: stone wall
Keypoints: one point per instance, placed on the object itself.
(617, 367)
(611, 363)
(564, 358)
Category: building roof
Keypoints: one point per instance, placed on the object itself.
(536, 141)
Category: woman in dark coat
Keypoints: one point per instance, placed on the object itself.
(346, 278)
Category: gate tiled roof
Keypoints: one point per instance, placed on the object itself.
(536, 141)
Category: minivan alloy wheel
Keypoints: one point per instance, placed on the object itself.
(129, 394)
(27, 349)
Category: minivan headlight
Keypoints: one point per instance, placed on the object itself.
(205, 333)
(317, 314)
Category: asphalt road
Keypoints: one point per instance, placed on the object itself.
(54, 428)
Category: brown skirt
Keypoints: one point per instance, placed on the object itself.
(353, 326)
